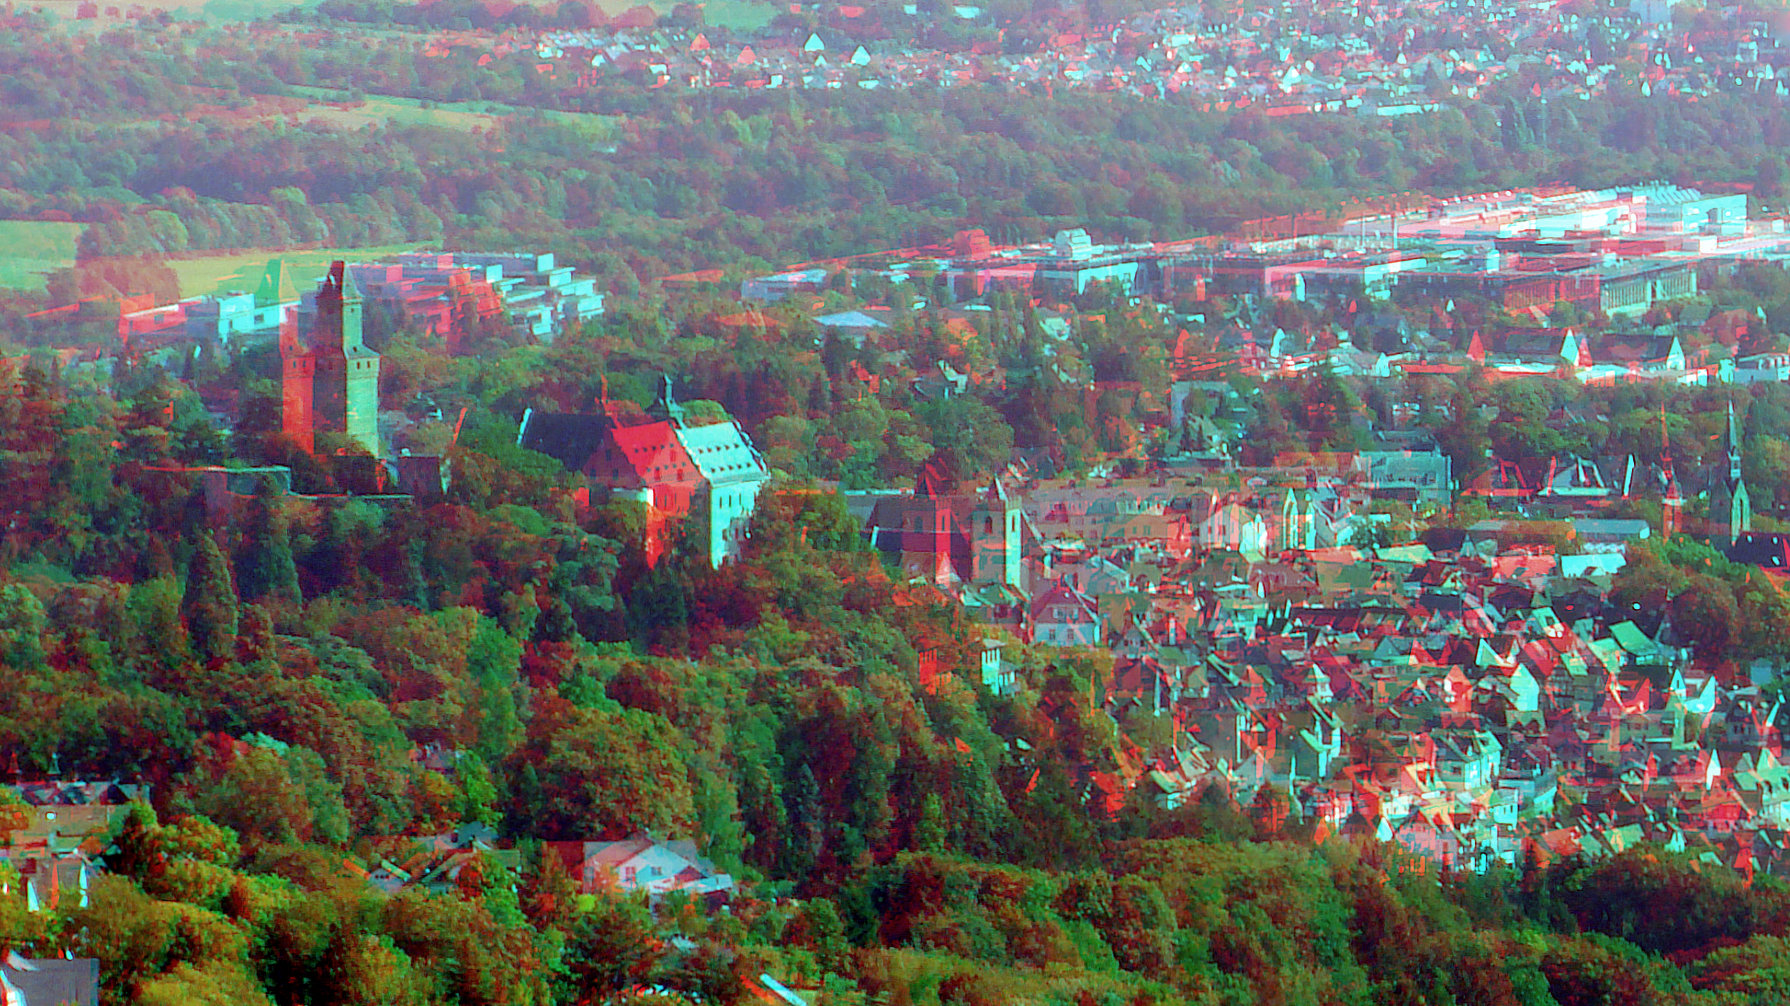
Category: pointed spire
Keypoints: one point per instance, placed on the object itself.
(668, 407)
(339, 285)
(1673, 499)
(1733, 443)
(272, 290)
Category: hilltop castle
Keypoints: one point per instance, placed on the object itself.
(329, 378)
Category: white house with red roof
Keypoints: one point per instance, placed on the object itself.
(1064, 616)
(643, 863)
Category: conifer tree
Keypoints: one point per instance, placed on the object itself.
(265, 569)
(209, 605)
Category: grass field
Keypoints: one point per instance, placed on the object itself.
(590, 125)
(465, 116)
(242, 270)
(403, 112)
(31, 249)
(740, 15)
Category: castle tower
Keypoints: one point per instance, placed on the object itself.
(330, 378)
(297, 379)
(995, 552)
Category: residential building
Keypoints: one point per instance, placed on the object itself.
(1064, 616)
(644, 863)
(50, 981)
(1761, 367)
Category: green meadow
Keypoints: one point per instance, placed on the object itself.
(32, 249)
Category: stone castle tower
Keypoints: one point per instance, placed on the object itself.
(329, 378)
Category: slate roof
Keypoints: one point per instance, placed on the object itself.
(569, 438)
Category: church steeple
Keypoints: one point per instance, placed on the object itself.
(667, 407)
(1732, 443)
(1730, 505)
(1672, 504)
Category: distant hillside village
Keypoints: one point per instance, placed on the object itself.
(1368, 59)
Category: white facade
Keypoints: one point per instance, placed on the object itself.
(1762, 367)
(735, 473)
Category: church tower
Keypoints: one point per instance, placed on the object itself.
(1730, 507)
(995, 551)
(329, 377)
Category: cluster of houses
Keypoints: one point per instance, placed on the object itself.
(705, 475)
(1381, 59)
(55, 834)
(1471, 694)
(1621, 353)
(1473, 701)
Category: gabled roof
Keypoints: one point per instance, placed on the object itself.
(1544, 344)
(850, 319)
(1633, 348)
(1629, 636)
(653, 451)
(569, 438)
(722, 453)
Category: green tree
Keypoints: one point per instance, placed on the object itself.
(603, 772)
(265, 568)
(208, 606)
(612, 948)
